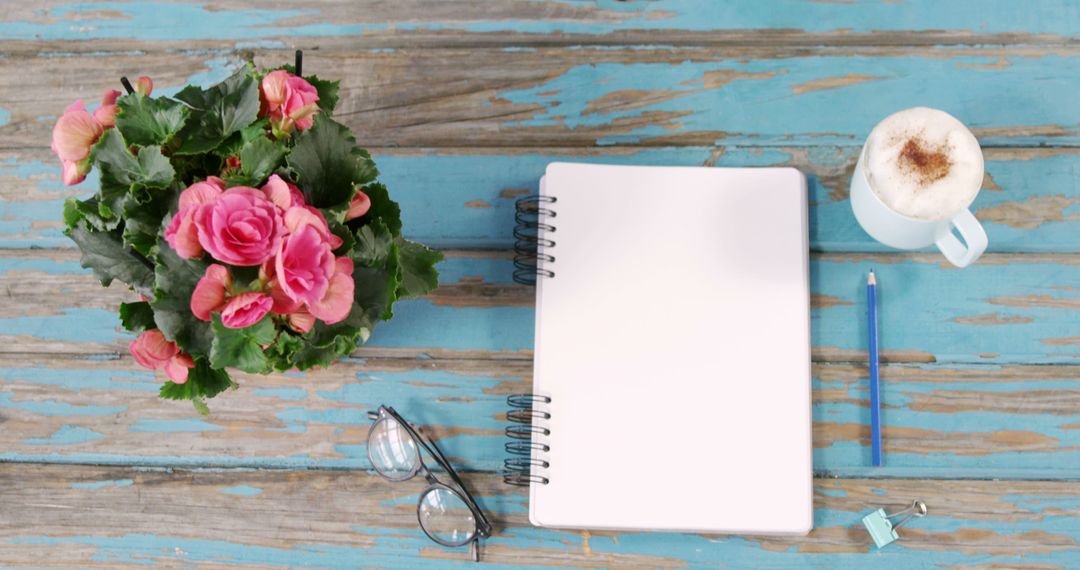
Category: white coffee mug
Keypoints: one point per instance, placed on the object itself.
(900, 231)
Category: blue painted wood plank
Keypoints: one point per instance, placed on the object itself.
(366, 521)
(156, 21)
(1030, 201)
(1005, 309)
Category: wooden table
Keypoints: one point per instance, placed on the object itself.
(463, 103)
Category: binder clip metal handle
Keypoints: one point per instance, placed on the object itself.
(883, 531)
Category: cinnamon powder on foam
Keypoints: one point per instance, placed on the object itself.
(923, 163)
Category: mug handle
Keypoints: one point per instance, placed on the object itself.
(974, 237)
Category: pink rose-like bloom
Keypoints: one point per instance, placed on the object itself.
(358, 206)
(241, 227)
(152, 350)
(245, 310)
(288, 100)
(182, 234)
(283, 193)
(304, 266)
(210, 292)
(338, 300)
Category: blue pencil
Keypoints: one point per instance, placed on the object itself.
(875, 393)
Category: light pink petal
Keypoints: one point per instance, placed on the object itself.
(202, 192)
(72, 173)
(144, 85)
(335, 305)
(105, 115)
(110, 97)
(302, 320)
(74, 133)
(152, 350)
(282, 193)
(245, 310)
(177, 368)
(210, 292)
(182, 235)
(274, 87)
(358, 206)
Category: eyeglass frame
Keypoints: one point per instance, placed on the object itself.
(483, 526)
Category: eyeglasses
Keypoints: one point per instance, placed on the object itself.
(448, 514)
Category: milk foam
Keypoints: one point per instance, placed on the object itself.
(923, 163)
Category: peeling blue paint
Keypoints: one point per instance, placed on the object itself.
(242, 491)
(67, 435)
(102, 484)
(173, 426)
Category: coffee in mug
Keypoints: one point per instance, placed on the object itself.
(917, 174)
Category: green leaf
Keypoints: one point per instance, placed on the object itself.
(105, 254)
(382, 208)
(327, 164)
(203, 382)
(282, 352)
(259, 158)
(119, 167)
(373, 243)
(328, 92)
(89, 210)
(218, 112)
(242, 348)
(418, 274)
(174, 282)
(149, 121)
(137, 317)
(142, 222)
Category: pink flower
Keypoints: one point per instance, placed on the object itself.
(73, 135)
(301, 320)
(300, 217)
(105, 115)
(209, 294)
(182, 234)
(338, 300)
(152, 350)
(245, 310)
(144, 85)
(241, 227)
(358, 206)
(304, 266)
(288, 100)
(282, 193)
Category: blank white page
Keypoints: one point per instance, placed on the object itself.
(674, 342)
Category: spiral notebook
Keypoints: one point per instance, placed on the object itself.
(671, 388)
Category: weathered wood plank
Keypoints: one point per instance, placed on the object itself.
(431, 22)
(940, 420)
(465, 198)
(654, 96)
(92, 517)
(1005, 309)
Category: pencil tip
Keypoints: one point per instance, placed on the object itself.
(871, 280)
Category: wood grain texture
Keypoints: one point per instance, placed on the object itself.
(463, 197)
(943, 421)
(433, 23)
(464, 103)
(96, 517)
(586, 96)
(1007, 308)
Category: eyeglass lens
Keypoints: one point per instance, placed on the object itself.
(446, 517)
(392, 450)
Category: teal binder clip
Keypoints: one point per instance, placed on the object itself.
(883, 531)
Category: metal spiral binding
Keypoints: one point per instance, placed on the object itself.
(527, 441)
(531, 220)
